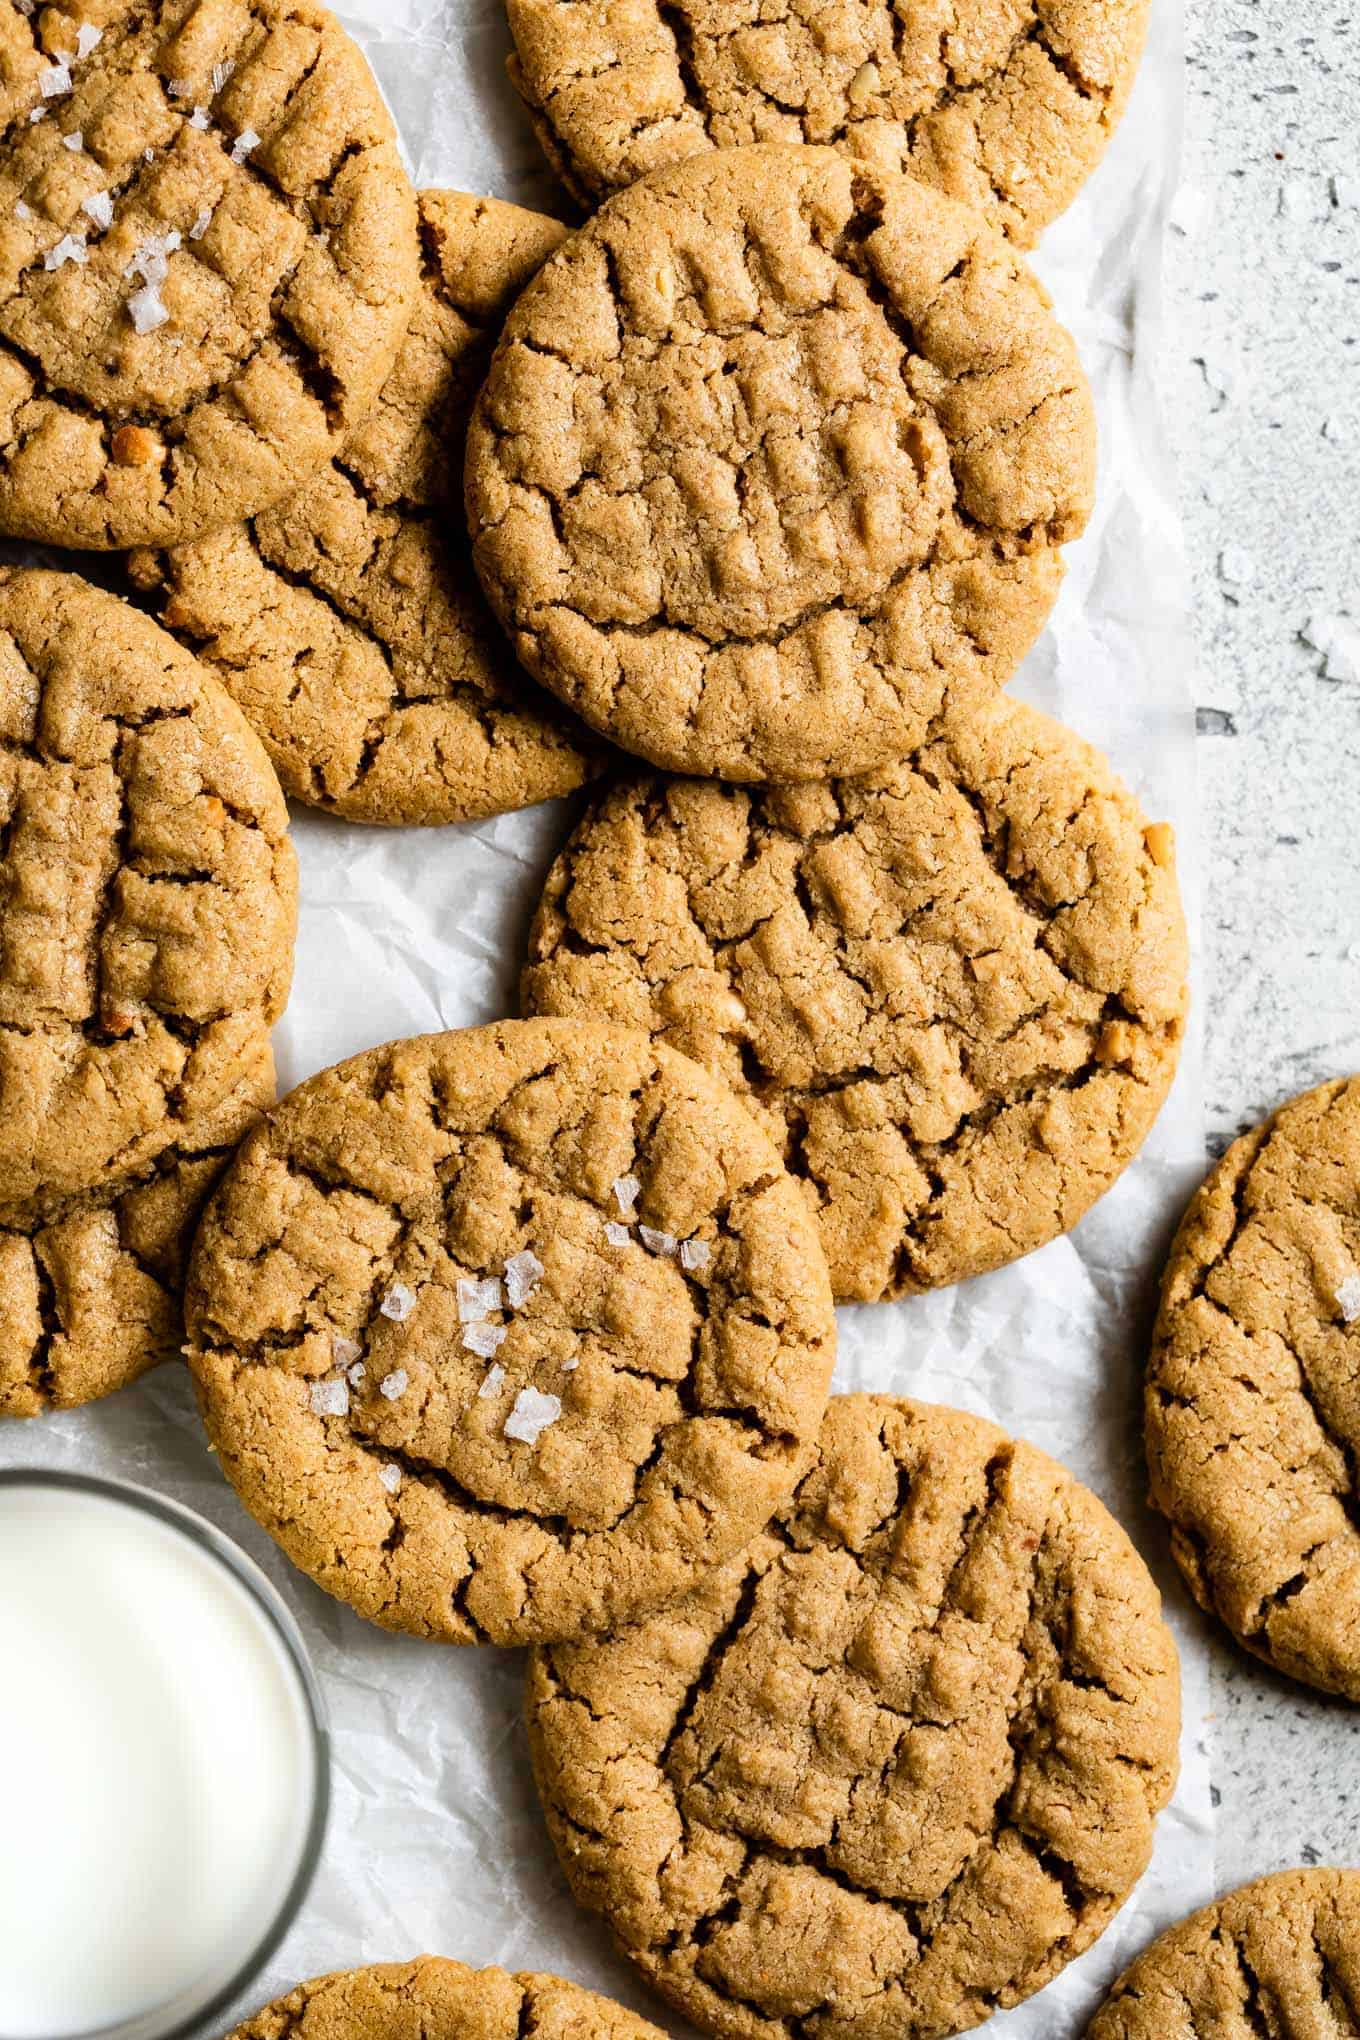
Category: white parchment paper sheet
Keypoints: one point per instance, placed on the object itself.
(435, 1841)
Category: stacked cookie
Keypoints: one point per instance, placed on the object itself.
(859, 977)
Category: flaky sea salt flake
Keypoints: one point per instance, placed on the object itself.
(88, 38)
(390, 1476)
(492, 1384)
(1348, 1296)
(626, 1189)
(484, 1339)
(523, 1273)
(532, 1414)
(664, 1243)
(694, 1254)
(75, 141)
(70, 248)
(244, 145)
(398, 1303)
(570, 1366)
(345, 1351)
(22, 211)
(330, 1398)
(199, 119)
(146, 309)
(616, 1234)
(99, 205)
(221, 73)
(201, 224)
(357, 1374)
(38, 113)
(395, 1384)
(54, 82)
(477, 1300)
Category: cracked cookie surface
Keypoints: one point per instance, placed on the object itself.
(434, 1998)
(508, 1334)
(1252, 1400)
(1281, 1955)
(207, 261)
(953, 991)
(347, 621)
(148, 891)
(1006, 105)
(92, 1285)
(775, 458)
(892, 1768)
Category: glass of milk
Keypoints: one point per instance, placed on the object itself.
(164, 1763)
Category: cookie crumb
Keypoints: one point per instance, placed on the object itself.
(532, 1414)
(70, 248)
(523, 1273)
(477, 1300)
(492, 1384)
(398, 1303)
(626, 1189)
(395, 1384)
(390, 1476)
(345, 1351)
(616, 1234)
(664, 1243)
(1348, 1297)
(330, 1398)
(484, 1339)
(694, 1254)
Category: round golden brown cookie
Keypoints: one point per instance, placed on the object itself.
(1005, 104)
(1281, 1955)
(954, 991)
(892, 1768)
(148, 891)
(1253, 1423)
(347, 621)
(776, 456)
(207, 261)
(92, 1283)
(510, 1334)
(436, 1999)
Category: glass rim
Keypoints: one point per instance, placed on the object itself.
(272, 1606)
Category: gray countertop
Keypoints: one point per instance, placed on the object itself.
(1263, 398)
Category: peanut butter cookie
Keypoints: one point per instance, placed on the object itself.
(92, 1284)
(1005, 104)
(435, 1999)
(207, 261)
(775, 457)
(347, 621)
(891, 1769)
(509, 1334)
(1278, 1956)
(1253, 1390)
(147, 891)
(954, 991)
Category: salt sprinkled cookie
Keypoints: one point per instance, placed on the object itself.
(890, 1770)
(1252, 1410)
(435, 1999)
(1005, 104)
(207, 261)
(509, 1334)
(347, 621)
(92, 1285)
(148, 892)
(1281, 1955)
(954, 992)
(775, 457)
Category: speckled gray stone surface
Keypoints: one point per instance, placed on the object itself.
(1263, 402)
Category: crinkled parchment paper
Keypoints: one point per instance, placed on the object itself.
(435, 1840)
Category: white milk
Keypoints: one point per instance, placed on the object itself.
(157, 1768)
